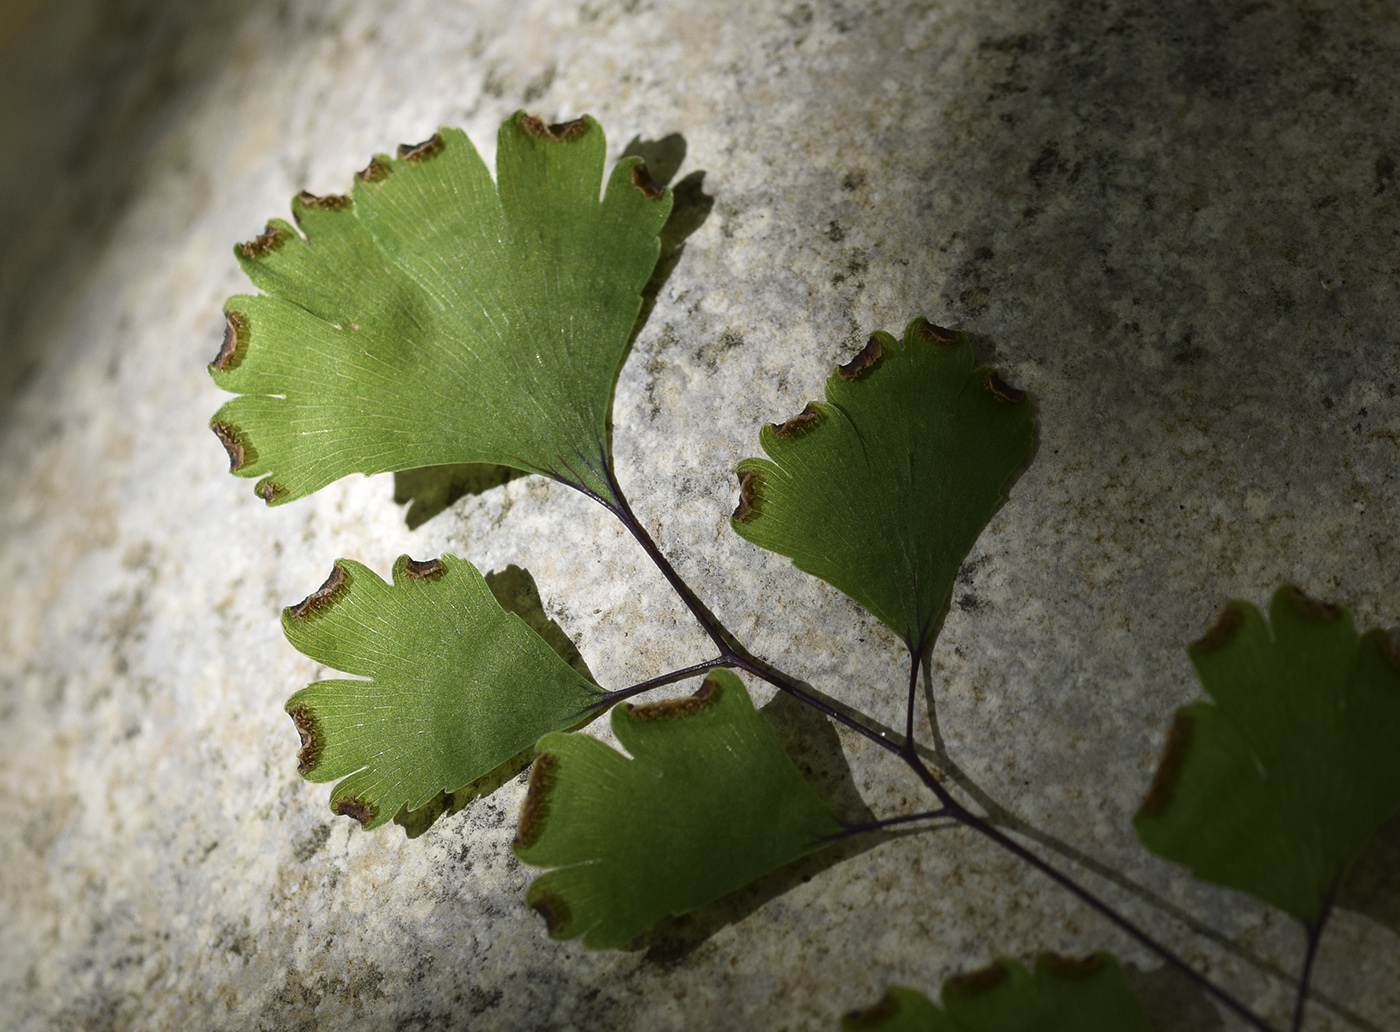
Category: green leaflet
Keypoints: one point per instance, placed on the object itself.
(882, 490)
(708, 802)
(457, 686)
(1063, 995)
(1278, 785)
(433, 316)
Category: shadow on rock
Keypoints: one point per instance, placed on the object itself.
(690, 207)
(428, 490)
(516, 591)
(1372, 887)
(1173, 1002)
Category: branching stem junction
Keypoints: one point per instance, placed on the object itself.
(734, 655)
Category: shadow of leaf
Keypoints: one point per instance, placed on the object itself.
(1372, 886)
(814, 747)
(516, 591)
(664, 157)
(690, 207)
(445, 804)
(1174, 1003)
(429, 490)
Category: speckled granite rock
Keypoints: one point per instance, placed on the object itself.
(1175, 223)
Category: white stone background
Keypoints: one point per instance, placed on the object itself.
(1175, 223)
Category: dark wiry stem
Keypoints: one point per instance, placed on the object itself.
(707, 620)
(913, 689)
(1003, 818)
(735, 655)
(1314, 937)
(606, 699)
(749, 663)
(995, 834)
(731, 652)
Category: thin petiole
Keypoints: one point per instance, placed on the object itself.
(1314, 937)
(606, 699)
(732, 653)
(736, 655)
(751, 664)
(723, 640)
(980, 825)
(913, 688)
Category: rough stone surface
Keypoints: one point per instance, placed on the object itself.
(1175, 223)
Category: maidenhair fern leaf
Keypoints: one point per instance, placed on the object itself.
(432, 316)
(455, 685)
(708, 802)
(1063, 995)
(1277, 785)
(882, 489)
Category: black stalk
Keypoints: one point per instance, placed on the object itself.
(736, 655)
(981, 826)
(606, 699)
(1314, 937)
